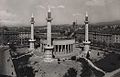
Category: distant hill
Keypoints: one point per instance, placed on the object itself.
(117, 22)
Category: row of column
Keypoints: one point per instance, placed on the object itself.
(63, 49)
(60, 49)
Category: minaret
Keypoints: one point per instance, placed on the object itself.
(48, 48)
(49, 19)
(86, 42)
(32, 33)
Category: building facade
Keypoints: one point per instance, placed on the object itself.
(61, 46)
(101, 38)
(9, 37)
(24, 38)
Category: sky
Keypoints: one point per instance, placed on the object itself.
(63, 11)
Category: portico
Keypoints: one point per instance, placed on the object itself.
(61, 46)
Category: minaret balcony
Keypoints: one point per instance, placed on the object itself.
(32, 40)
(86, 22)
(49, 19)
(32, 22)
(86, 42)
(49, 47)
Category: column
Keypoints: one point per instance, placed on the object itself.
(49, 33)
(48, 55)
(86, 41)
(58, 49)
(72, 47)
(65, 49)
(32, 33)
(54, 49)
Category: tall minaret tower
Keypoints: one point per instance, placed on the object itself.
(86, 42)
(49, 19)
(32, 33)
(48, 48)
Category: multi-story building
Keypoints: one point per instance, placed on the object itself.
(101, 38)
(8, 36)
(18, 38)
(24, 38)
(116, 38)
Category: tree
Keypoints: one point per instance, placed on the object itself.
(71, 72)
(88, 55)
(12, 47)
(73, 58)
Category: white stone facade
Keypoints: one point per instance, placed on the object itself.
(63, 46)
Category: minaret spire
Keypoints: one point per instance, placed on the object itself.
(49, 13)
(86, 41)
(49, 10)
(49, 19)
(49, 48)
(32, 16)
(86, 14)
(32, 32)
(86, 27)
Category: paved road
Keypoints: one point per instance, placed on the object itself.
(95, 70)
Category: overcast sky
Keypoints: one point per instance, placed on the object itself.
(63, 11)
